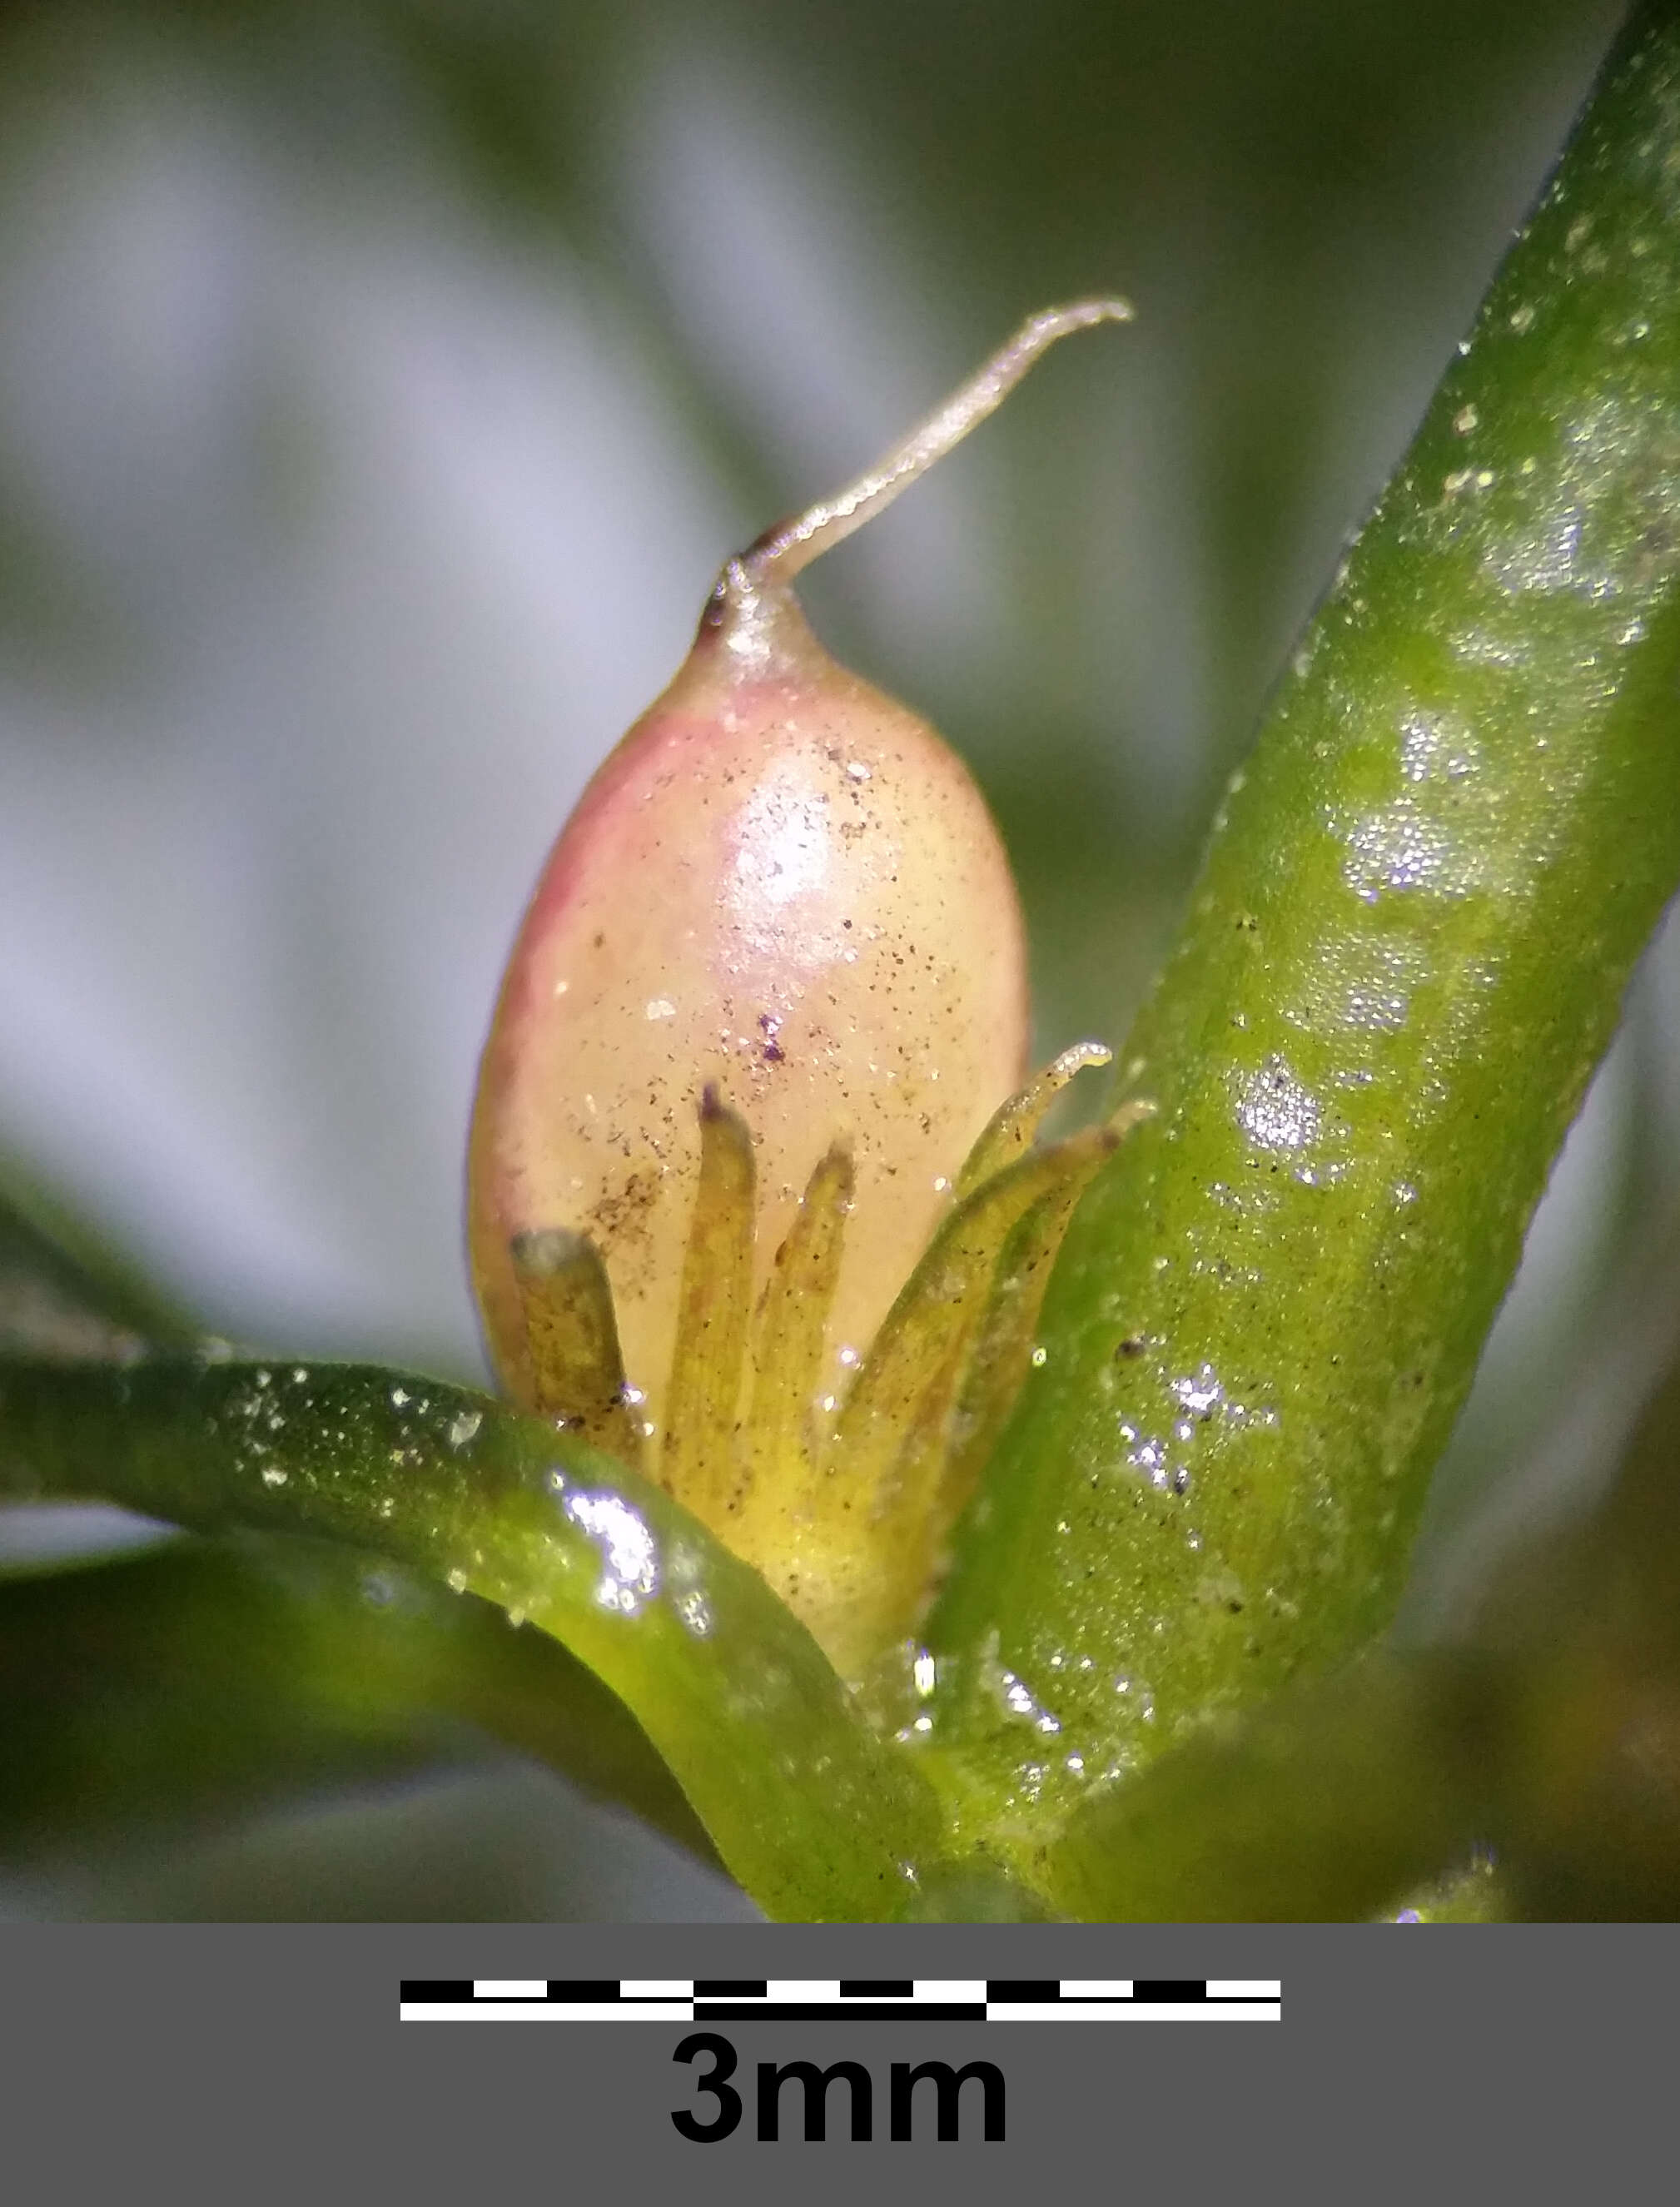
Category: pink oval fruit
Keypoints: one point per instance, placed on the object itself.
(774, 968)
(782, 885)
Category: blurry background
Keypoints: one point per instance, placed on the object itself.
(380, 387)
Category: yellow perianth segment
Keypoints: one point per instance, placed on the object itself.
(892, 1499)
(843, 1503)
(1009, 1132)
(1132, 1113)
(788, 1430)
(1002, 1353)
(574, 1338)
(699, 1462)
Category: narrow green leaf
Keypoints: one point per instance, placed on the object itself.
(1330, 1805)
(1404, 956)
(1584, 1622)
(207, 1674)
(812, 1814)
(64, 1291)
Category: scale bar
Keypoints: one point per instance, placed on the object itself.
(847, 2000)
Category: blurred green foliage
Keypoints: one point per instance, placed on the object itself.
(1305, 198)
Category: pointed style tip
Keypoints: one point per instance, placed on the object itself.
(759, 576)
(1082, 313)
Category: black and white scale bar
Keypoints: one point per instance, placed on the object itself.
(844, 2000)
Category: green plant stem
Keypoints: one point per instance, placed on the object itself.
(1405, 955)
(1550, 1733)
(815, 1816)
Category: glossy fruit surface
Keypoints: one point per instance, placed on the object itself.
(785, 886)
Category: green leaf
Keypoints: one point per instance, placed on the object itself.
(1583, 1624)
(1549, 1744)
(1423, 898)
(1330, 1805)
(1545, 1742)
(66, 1291)
(210, 1673)
(807, 1810)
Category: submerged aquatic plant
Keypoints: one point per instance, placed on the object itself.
(1151, 1421)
